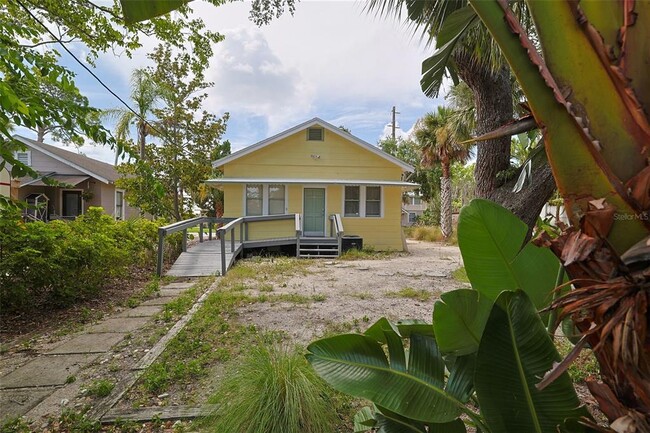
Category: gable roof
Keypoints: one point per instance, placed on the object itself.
(315, 121)
(101, 171)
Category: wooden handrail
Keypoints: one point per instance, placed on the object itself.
(183, 226)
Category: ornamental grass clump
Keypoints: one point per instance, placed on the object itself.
(272, 390)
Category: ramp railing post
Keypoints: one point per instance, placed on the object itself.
(184, 242)
(201, 232)
(161, 251)
(222, 239)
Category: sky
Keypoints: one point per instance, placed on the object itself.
(331, 59)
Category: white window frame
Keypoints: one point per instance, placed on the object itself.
(362, 202)
(123, 216)
(265, 198)
(26, 152)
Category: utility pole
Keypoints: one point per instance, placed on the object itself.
(393, 123)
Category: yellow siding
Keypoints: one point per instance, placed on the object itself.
(381, 233)
(272, 229)
(233, 198)
(334, 158)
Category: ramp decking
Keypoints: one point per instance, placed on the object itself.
(203, 259)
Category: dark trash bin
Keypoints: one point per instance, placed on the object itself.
(351, 241)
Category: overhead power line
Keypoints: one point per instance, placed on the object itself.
(83, 65)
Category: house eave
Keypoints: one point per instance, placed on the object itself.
(293, 181)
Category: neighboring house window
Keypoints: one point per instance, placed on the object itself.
(352, 201)
(254, 199)
(362, 201)
(412, 217)
(276, 199)
(119, 205)
(373, 201)
(315, 134)
(417, 200)
(24, 157)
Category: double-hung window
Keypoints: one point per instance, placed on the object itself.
(119, 205)
(265, 199)
(352, 201)
(254, 199)
(362, 201)
(373, 201)
(276, 204)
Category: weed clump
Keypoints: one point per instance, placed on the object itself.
(273, 390)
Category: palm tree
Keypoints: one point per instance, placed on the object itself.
(465, 50)
(145, 94)
(439, 138)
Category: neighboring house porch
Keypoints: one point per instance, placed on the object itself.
(68, 184)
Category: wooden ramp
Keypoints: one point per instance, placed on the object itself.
(203, 259)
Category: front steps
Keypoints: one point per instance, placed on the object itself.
(318, 248)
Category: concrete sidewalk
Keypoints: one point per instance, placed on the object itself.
(45, 377)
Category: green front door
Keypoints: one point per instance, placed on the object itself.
(314, 212)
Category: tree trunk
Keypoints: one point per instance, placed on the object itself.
(142, 137)
(493, 99)
(528, 203)
(445, 206)
(40, 134)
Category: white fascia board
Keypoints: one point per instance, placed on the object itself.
(242, 180)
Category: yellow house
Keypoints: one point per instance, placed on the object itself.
(325, 175)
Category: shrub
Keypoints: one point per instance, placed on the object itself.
(272, 390)
(62, 261)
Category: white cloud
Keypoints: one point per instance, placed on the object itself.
(332, 60)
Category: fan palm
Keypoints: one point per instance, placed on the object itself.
(439, 136)
(145, 94)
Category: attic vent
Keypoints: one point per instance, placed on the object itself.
(315, 134)
(24, 157)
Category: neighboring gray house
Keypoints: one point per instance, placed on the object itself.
(82, 182)
(412, 208)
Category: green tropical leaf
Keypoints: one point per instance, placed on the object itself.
(458, 320)
(579, 169)
(514, 354)
(357, 365)
(142, 10)
(491, 241)
(600, 95)
(453, 30)
(389, 422)
(364, 420)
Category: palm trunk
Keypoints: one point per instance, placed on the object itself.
(445, 202)
(142, 136)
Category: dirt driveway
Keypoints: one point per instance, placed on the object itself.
(351, 295)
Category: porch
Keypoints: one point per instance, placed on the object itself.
(232, 237)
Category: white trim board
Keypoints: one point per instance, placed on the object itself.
(243, 180)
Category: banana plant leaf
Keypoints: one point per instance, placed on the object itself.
(514, 354)
(580, 170)
(453, 30)
(359, 366)
(141, 10)
(384, 421)
(458, 320)
(491, 241)
(597, 95)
